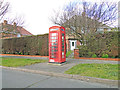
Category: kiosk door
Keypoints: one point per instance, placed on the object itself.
(54, 46)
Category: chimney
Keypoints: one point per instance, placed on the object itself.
(14, 24)
(5, 22)
(83, 14)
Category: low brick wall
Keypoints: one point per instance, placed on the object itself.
(23, 55)
(76, 53)
(76, 56)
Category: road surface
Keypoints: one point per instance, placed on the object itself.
(19, 79)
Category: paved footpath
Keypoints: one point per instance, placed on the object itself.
(62, 68)
(58, 70)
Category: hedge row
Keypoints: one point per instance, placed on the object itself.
(29, 45)
(101, 45)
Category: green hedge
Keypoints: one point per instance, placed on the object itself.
(29, 45)
(101, 45)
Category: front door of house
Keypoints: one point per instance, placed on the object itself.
(72, 44)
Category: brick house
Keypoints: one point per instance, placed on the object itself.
(10, 31)
(71, 40)
(71, 43)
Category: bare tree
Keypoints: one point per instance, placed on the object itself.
(83, 18)
(4, 8)
(16, 22)
(19, 20)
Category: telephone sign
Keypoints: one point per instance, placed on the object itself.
(57, 44)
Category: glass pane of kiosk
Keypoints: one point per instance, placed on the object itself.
(62, 45)
(54, 45)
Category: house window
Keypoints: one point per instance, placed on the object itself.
(72, 43)
(100, 29)
(18, 35)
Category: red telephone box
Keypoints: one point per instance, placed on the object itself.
(57, 44)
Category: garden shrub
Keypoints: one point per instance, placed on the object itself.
(94, 56)
(113, 57)
(83, 52)
(105, 56)
(68, 53)
(100, 43)
(90, 54)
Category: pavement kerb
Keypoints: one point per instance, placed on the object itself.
(77, 77)
(23, 55)
(105, 59)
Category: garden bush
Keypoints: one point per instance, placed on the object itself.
(94, 56)
(68, 53)
(90, 54)
(105, 56)
(83, 52)
(99, 44)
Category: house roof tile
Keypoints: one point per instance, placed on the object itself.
(23, 31)
(12, 28)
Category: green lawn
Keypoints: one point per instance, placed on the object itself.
(16, 62)
(106, 71)
(68, 53)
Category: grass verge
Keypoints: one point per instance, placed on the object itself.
(16, 62)
(105, 71)
(68, 53)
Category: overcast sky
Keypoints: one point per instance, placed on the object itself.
(37, 13)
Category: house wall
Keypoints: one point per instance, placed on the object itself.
(3, 35)
(78, 43)
(11, 31)
(68, 44)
